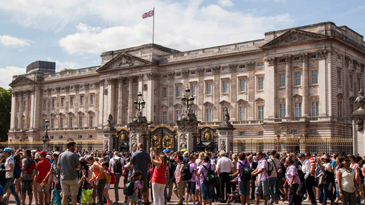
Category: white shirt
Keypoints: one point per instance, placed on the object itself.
(274, 171)
(306, 168)
(224, 165)
(9, 161)
(115, 158)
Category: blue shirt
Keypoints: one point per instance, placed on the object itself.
(333, 164)
(1, 191)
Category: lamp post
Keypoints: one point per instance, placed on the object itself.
(278, 137)
(140, 103)
(46, 138)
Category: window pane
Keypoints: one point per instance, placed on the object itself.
(178, 91)
(209, 88)
(80, 122)
(242, 85)
(164, 92)
(315, 109)
(164, 118)
(282, 111)
(314, 77)
(91, 99)
(261, 112)
(242, 113)
(298, 78)
(261, 83)
(91, 121)
(178, 113)
(193, 87)
(298, 109)
(282, 80)
(209, 115)
(225, 86)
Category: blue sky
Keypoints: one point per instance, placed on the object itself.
(74, 33)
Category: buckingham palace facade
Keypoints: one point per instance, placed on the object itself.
(294, 83)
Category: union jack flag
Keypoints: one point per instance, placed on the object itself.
(148, 14)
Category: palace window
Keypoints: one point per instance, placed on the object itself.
(297, 58)
(294, 132)
(164, 92)
(91, 119)
(208, 70)
(71, 101)
(282, 80)
(339, 77)
(52, 123)
(81, 100)
(242, 133)
(282, 60)
(261, 83)
(315, 109)
(313, 56)
(225, 86)
(193, 89)
(351, 82)
(44, 104)
(242, 113)
(339, 109)
(298, 110)
(91, 99)
(314, 77)
(193, 72)
(164, 117)
(62, 102)
(298, 76)
(260, 64)
(178, 113)
(261, 133)
(261, 112)
(224, 68)
(242, 85)
(208, 116)
(282, 110)
(178, 74)
(242, 66)
(71, 122)
(53, 103)
(61, 123)
(313, 131)
(80, 121)
(209, 88)
(178, 91)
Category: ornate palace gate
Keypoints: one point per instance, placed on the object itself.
(162, 137)
(207, 139)
(122, 141)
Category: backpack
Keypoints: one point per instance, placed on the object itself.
(128, 189)
(112, 178)
(211, 178)
(245, 172)
(117, 166)
(171, 165)
(17, 170)
(186, 175)
(271, 165)
(2, 176)
(301, 175)
(30, 167)
(107, 176)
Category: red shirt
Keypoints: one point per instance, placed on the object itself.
(43, 168)
(159, 175)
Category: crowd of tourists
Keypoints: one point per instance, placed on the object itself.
(86, 177)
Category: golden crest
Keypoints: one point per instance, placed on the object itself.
(167, 142)
(122, 137)
(206, 134)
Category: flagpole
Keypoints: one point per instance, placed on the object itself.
(153, 29)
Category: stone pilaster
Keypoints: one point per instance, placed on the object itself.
(216, 92)
(130, 99)
(270, 87)
(111, 94)
(200, 93)
(171, 95)
(305, 84)
(101, 104)
(20, 113)
(27, 110)
(251, 89)
(120, 101)
(288, 86)
(233, 90)
(13, 109)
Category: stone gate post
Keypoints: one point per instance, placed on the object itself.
(225, 134)
(358, 118)
(186, 137)
(138, 129)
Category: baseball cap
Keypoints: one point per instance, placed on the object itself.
(56, 153)
(325, 157)
(128, 165)
(44, 153)
(48, 156)
(7, 149)
(301, 155)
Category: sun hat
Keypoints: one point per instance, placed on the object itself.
(7, 149)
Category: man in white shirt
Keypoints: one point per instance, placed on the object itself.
(116, 166)
(276, 167)
(224, 168)
(309, 172)
(9, 174)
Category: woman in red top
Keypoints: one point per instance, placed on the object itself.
(159, 177)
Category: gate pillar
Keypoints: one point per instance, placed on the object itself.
(225, 134)
(138, 131)
(358, 118)
(186, 137)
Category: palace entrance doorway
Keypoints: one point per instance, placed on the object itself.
(162, 137)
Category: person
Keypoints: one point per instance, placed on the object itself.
(141, 161)
(9, 174)
(273, 189)
(171, 166)
(206, 189)
(98, 177)
(127, 176)
(224, 168)
(243, 186)
(180, 184)
(107, 185)
(263, 178)
(354, 165)
(55, 172)
(293, 180)
(2, 198)
(159, 178)
(68, 162)
(309, 170)
(191, 184)
(326, 169)
(253, 165)
(116, 167)
(43, 168)
(136, 177)
(347, 183)
(198, 193)
(28, 172)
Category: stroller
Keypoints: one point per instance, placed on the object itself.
(233, 197)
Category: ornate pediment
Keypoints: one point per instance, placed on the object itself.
(124, 60)
(21, 80)
(293, 36)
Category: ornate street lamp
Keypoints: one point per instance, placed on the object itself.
(188, 101)
(140, 103)
(46, 138)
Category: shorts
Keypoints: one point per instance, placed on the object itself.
(190, 187)
(263, 188)
(26, 186)
(244, 188)
(145, 184)
(207, 191)
(107, 186)
(133, 198)
(70, 185)
(43, 188)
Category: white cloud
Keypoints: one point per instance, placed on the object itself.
(7, 74)
(12, 41)
(64, 64)
(177, 25)
(225, 2)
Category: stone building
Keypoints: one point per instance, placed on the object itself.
(294, 83)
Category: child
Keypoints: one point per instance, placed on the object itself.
(107, 185)
(136, 177)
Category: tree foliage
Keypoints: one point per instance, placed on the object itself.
(5, 109)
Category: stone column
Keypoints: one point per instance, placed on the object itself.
(138, 130)
(225, 139)
(201, 94)
(13, 110)
(110, 105)
(251, 90)
(27, 110)
(216, 93)
(288, 86)
(186, 138)
(120, 101)
(20, 111)
(270, 87)
(170, 96)
(305, 83)
(233, 93)
(150, 99)
(101, 104)
(130, 99)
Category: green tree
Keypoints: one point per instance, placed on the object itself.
(5, 109)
